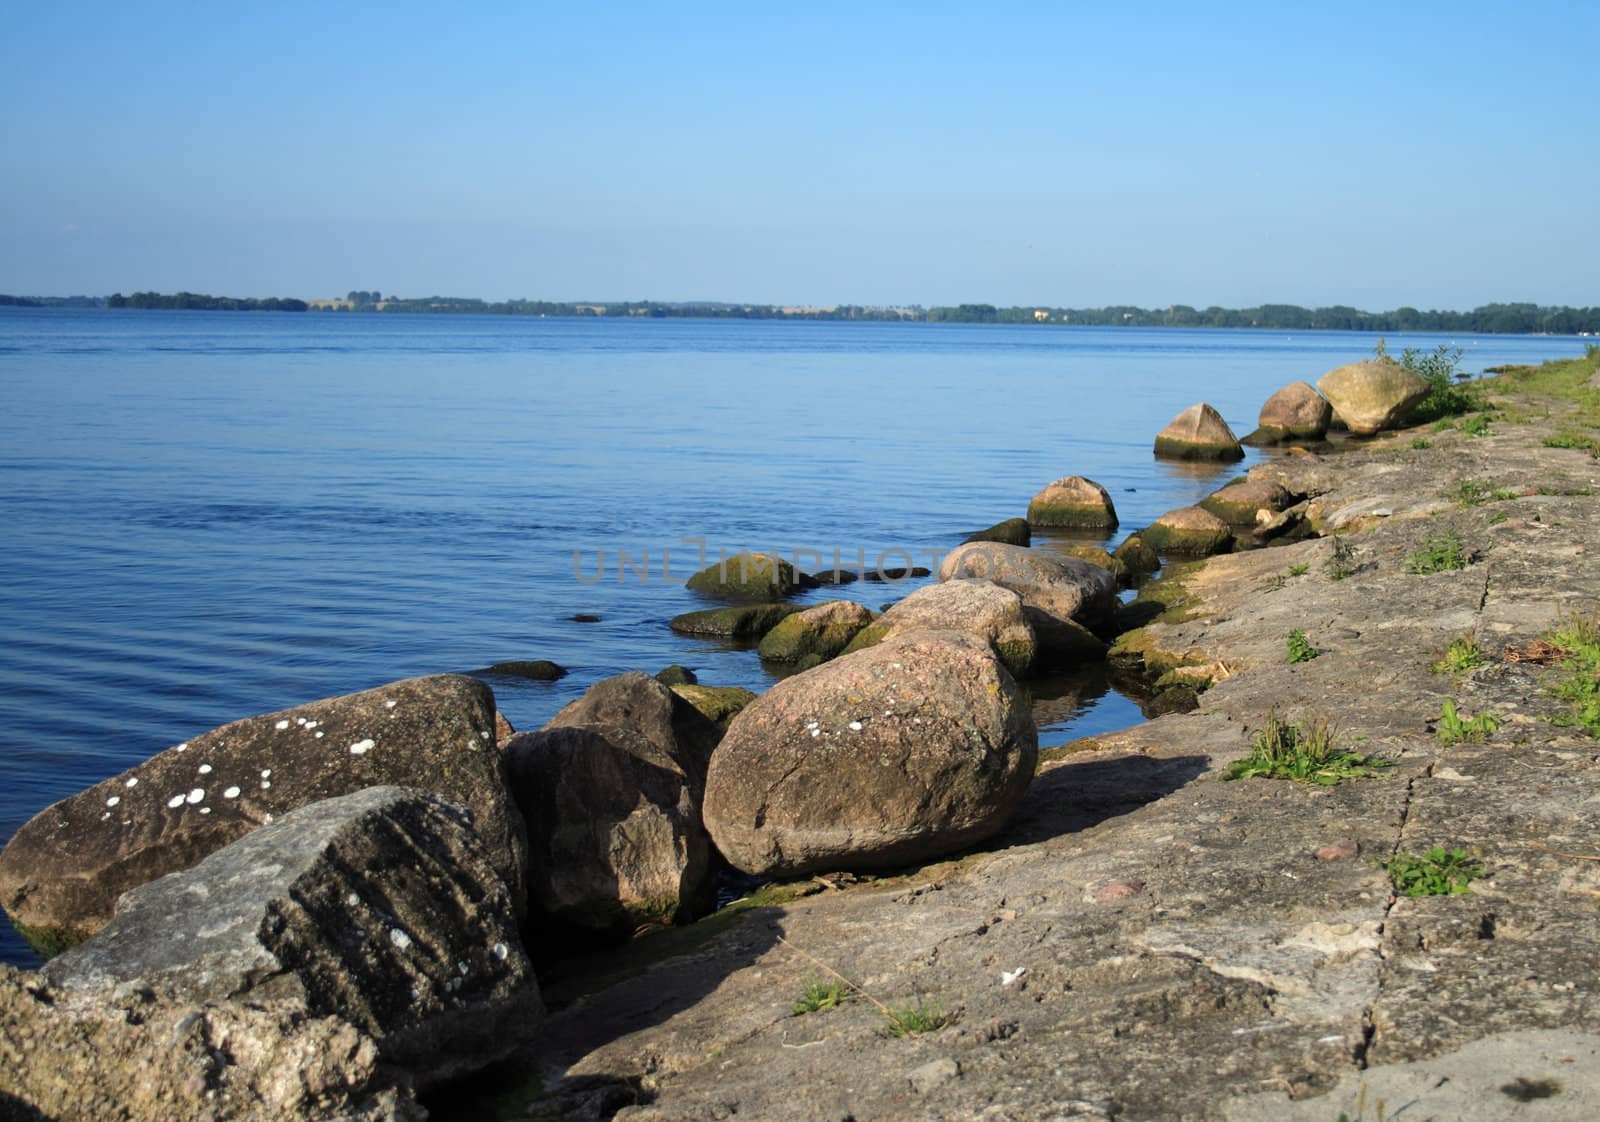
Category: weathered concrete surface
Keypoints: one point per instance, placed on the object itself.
(1188, 945)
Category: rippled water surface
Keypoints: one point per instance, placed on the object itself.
(211, 515)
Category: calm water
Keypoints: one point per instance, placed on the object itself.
(210, 515)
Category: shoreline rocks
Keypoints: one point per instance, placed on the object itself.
(976, 607)
(814, 635)
(1297, 412)
(747, 577)
(1198, 433)
(1192, 530)
(1072, 502)
(1013, 531)
(1372, 396)
(1064, 599)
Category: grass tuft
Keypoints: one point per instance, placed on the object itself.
(1307, 752)
(1299, 568)
(821, 994)
(1299, 647)
(1578, 638)
(910, 1020)
(1461, 655)
(1441, 553)
(1454, 728)
(1438, 872)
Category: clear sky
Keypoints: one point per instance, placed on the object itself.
(1432, 154)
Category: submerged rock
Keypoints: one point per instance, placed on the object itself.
(1073, 502)
(381, 908)
(1198, 433)
(976, 607)
(1097, 556)
(899, 753)
(676, 675)
(539, 670)
(1136, 554)
(1013, 531)
(1372, 396)
(63, 871)
(1191, 530)
(816, 634)
(747, 576)
(1296, 412)
(749, 622)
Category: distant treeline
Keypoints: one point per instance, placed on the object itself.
(197, 302)
(1495, 319)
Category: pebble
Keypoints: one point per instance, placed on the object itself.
(1116, 890)
(932, 1075)
(1341, 850)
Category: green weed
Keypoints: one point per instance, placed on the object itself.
(1567, 378)
(1438, 872)
(1461, 655)
(1307, 752)
(1341, 560)
(1299, 647)
(1569, 439)
(1469, 492)
(1579, 685)
(821, 994)
(1441, 553)
(1475, 425)
(1299, 568)
(1419, 443)
(910, 1020)
(1496, 517)
(1442, 371)
(1453, 728)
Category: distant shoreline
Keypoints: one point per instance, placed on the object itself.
(1490, 319)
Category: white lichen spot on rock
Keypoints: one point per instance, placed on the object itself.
(132, 782)
(462, 967)
(266, 786)
(311, 724)
(855, 726)
(483, 736)
(266, 773)
(113, 801)
(105, 816)
(500, 951)
(231, 793)
(281, 725)
(205, 769)
(266, 818)
(390, 704)
(184, 747)
(353, 900)
(816, 733)
(299, 720)
(175, 802)
(399, 938)
(205, 810)
(197, 795)
(361, 747)
(318, 735)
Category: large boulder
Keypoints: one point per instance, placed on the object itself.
(1198, 433)
(976, 607)
(63, 871)
(1013, 531)
(749, 621)
(382, 908)
(1137, 556)
(1374, 395)
(718, 704)
(1296, 412)
(614, 828)
(816, 634)
(1073, 502)
(637, 701)
(896, 754)
(1191, 530)
(747, 576)
(141, 1057)
(1248, 502)
(1064, 599)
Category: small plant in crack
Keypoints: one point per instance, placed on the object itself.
(821, 994)
(1463, 654)
(1438, 872)
(1299, 568)
(1341, 560)
(1307, 751)
(912, 1020)
(1441, 553)
(1455, 728)
(1299, 647)
(1578, 639)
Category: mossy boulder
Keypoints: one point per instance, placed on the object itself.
(1248, 503)
(748, 622)
(1064, 599)
(816, 634)
(1374, 395)
(719, 704)
(1096, 555)
(1191, 530)
(747, 576)
(976, 607)
(1296, 412)
(536, 669)
(1073, 502)
(676, 675)
(1137, 556)
(1013, 531)
(1198, 433)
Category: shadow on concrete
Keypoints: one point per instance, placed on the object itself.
(1079, 794)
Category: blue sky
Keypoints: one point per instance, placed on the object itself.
(1432, 154)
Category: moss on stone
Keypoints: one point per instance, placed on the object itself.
(1071, 516)
(1064, 751)
(676, 675)
(869, 636)
(717, 703)
(749, 621)
(1198, 543)
(802, 640)
(1013, 531)
(1137, 556)
(1171, 449)
(1238, 514)
(47, 942)
(1018, 655)
(746, 576)
(1097, 556)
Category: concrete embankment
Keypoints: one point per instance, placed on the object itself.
(1147, 940)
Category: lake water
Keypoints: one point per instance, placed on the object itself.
(211, 515)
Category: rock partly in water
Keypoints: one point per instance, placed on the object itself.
(1296, 412)
(646, 706)
(816, 634)
(719, 704)
(140, 1058)
(613, 827)
(381, 908)
(537, 669)
(1063, 598)
(1075, 503)
(1191, 530)
(1097, 556)
(748, 622)
(1198, 433)
(1136, 554)
(1013, 531)
(976, 607)
(62, 872)
(904, 752)
(676, 675)
(834, 576)
(1374, 395)
(747, 576)
(1249, 502)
